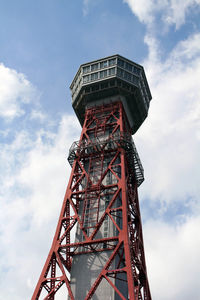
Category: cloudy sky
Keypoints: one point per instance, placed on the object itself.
(42, 44)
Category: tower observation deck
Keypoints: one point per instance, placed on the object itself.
(110, 78)
(98, 252)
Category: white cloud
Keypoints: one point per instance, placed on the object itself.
(15, 91)
(34, 178)
(169, 145)
(187, 49)
(86, 7)
(171, 131)
(177, 10)
(173, 12)
(46, 168)
(38, 115)
(172, 255)
(143, 9)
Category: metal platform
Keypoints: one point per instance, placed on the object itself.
(112, 143)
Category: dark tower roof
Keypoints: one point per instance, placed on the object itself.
(108, 78)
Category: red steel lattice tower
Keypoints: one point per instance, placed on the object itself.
(98, 251)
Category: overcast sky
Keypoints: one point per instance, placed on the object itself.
(42, 44)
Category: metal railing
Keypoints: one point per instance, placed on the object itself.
(96, 145)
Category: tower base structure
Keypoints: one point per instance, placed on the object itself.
(98, 252)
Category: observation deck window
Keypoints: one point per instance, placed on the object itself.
(94, 76)
(94, 67)
(111, 71)
(136, 70)
(120, 72)
(128, 67)
(120, 63)
(112, 62)
(135, 80)
(127, 76)
(86, 78)
(103, 64)
(103, 74)
(86, 69)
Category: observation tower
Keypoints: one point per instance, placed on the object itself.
(98, 251)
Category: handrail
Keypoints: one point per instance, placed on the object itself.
(96, 145)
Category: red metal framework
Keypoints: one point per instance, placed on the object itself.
(101, 205)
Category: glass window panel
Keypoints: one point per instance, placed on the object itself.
(103, 74)
(120, 63)
(112, 61)
(94, 76)
(135, 80)
(94, 67)
(128, 66)
(120, 72)
(86, 69)
(136, 70)
(86, 78)
(104, 64)
(111, 71)
(129, 76)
